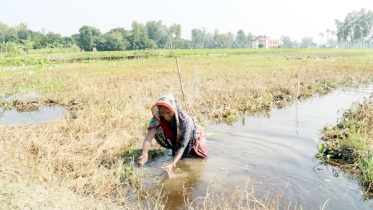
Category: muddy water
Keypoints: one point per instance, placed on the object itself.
(271, 154)
(30, 116)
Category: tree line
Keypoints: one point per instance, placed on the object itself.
(357, 26)
(355, 29)
(152, 35)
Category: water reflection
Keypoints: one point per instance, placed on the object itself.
(276, 153)
(30, 115)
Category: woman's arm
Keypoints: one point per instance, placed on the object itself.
(169, 168)
(184, 141)
(145, 147)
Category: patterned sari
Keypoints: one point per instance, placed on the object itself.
(188, 138)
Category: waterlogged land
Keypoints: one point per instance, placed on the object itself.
(76, 161)
(349, 143)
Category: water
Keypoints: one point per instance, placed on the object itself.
(271, 154)
(30, 116)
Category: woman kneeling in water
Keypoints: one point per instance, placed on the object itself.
(175, 130)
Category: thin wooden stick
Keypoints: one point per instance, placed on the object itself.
(181, 82)
(296, 102)
(300, 68)
(2, 113)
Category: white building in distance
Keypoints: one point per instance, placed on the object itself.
(266, 42)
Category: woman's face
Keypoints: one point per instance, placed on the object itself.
(166, 113)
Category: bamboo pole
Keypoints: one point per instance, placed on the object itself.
(181, 82)
(300, 68)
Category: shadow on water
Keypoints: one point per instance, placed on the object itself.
(275, 152)
(31, 115)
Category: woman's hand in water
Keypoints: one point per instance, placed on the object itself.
(142, 160)
(169, 169)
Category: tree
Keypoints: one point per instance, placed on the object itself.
(321, 36)
(327, 35)
(157, 32)
(136, 33)
(125, 33)
(209, 40)
(34, 34)
(241, 38)
(88, 37)
(287, 42)
(22, 32)
(198, 38)
(40, 42)
(313, 44)
(112, 41)
(139, 39)
(306, 42)
(3, 31)
(54, 40)
(332, 33)
(295, 44)
(217, 38)
(223, 40)
(24, 35)
(68, 41)
(357, 26)
(174, 35)
(76, 37)
(230, 39)
(11, 35)
(250, 37)
(187, 44)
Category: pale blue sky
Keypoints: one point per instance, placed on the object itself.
(293, 18)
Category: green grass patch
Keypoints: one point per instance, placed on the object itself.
(349, 143)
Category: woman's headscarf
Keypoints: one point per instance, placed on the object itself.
(168, 101)
(188, 134)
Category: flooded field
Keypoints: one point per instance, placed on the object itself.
(30, 116)
(272, 154)
(107, 104)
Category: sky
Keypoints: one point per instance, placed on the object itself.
(274, 18)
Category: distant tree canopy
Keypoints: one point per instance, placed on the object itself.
(157, 32)
(288, 43)
(307, 42)
(88, 37)
(112, 41)
(357, 26)
(152, 35)
(20, 35)
(241, 39)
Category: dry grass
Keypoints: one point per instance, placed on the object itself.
(45, 165)
(243, 197)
